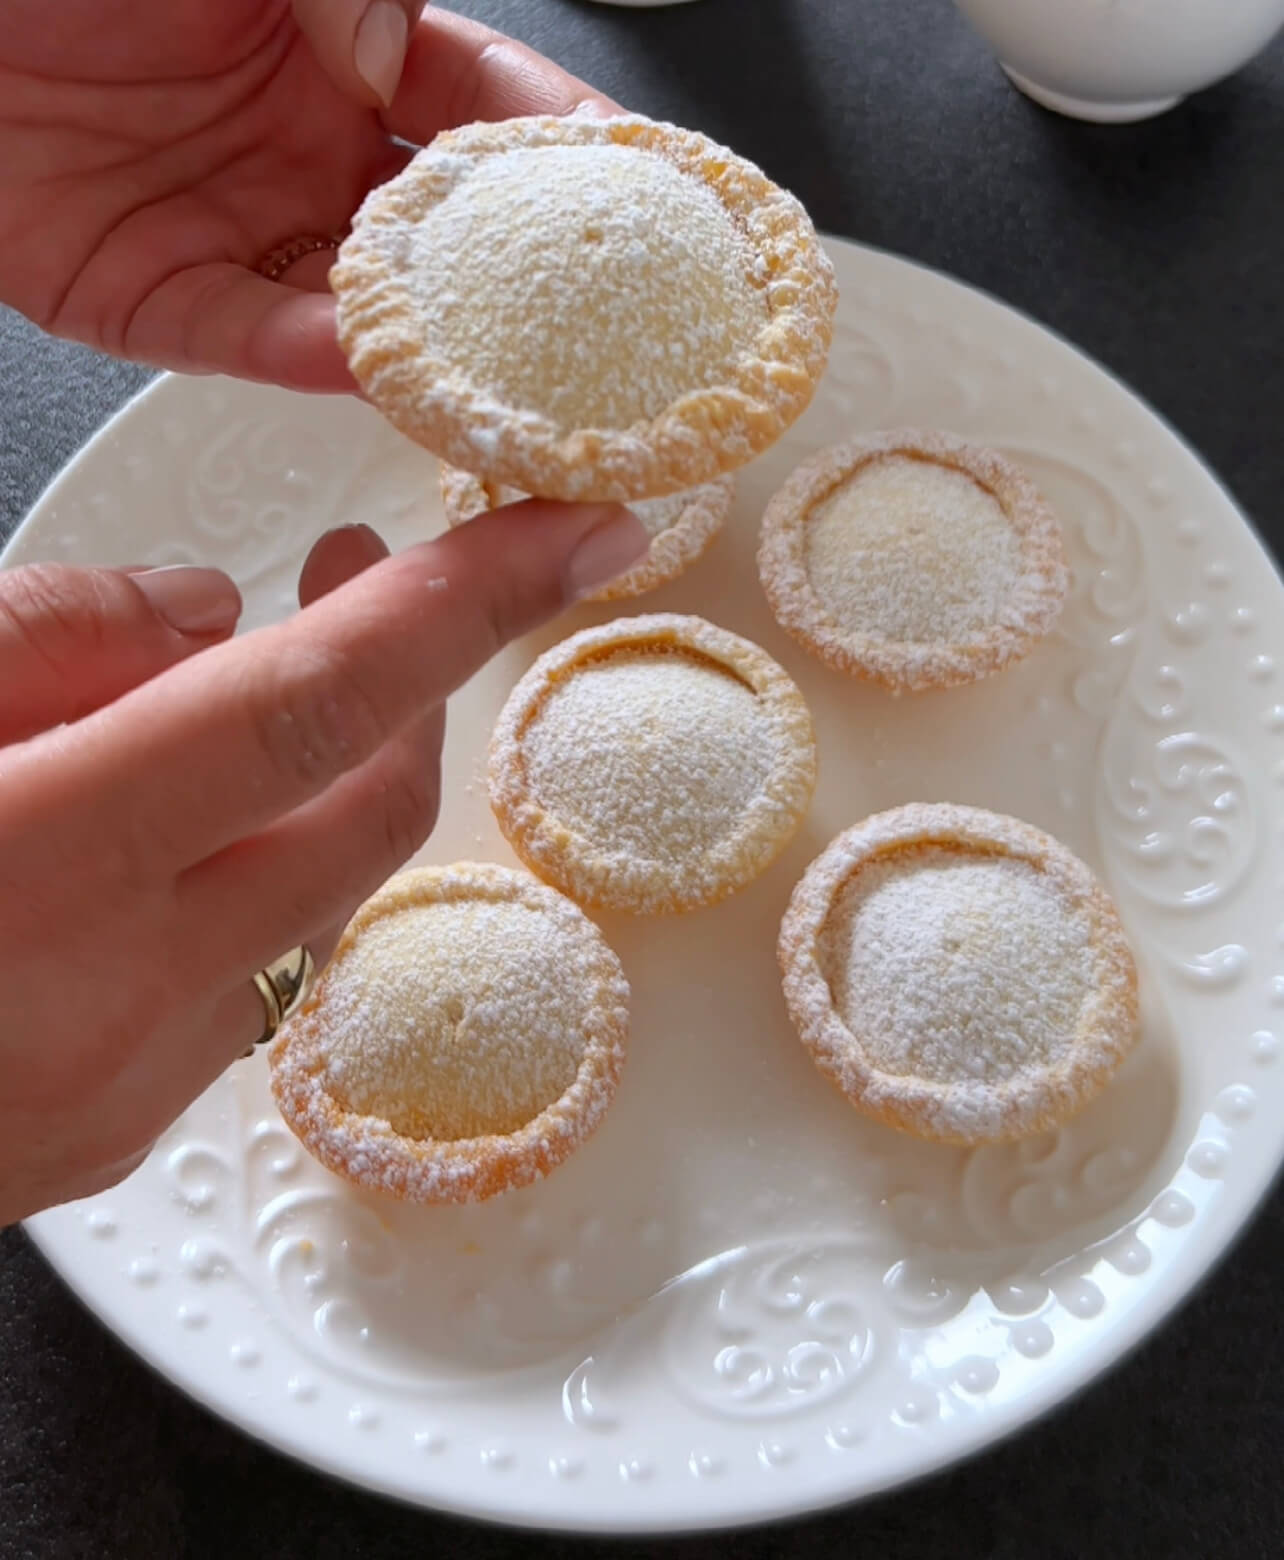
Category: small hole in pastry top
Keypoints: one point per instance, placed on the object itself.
(457, 1019)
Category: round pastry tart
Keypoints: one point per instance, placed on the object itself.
(466, 1037)
(913, 559)
(654, 764)
(584, 308)
(682, 526)
(958, 974)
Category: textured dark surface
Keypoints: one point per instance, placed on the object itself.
(1159, 249)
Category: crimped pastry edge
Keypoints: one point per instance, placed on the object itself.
(462, 1169)
(699, 436)
(964, 1113)
(602, 879)
(898, 666)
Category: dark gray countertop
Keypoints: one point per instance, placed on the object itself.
(1159, 249)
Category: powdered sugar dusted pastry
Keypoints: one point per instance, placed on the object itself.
(682, 526)
(654, 764)
(958, 974)
(585, 308)
(467, 1036)
(913, 559)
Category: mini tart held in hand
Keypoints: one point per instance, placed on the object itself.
(585, 309)
(682, 526)
(913, 560)
(958, 974)
(466, 1037)
(654, 764)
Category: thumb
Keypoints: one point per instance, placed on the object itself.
(72, 640)
(361, 44)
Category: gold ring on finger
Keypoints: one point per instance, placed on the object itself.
(284, 985)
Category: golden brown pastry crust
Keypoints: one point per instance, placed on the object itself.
(861, 651)
(969, 1109)
(600, 872)
(674, 549)
(367, 1150)
(702, 434)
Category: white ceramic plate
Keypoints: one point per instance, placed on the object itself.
(740, 1300)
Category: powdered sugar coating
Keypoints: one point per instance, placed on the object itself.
(466, 1037)
(956, 965)
(958, 974)
(918, 551)
(585, 309)
(627, 243)
(653, 764)
(701, 754)
(682, 525)
(481, 1029)
(913, 559)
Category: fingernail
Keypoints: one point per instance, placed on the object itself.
(379, 48)
(191, 600)
(337, 557)
(370, 538)
(605, 552)
(594, 108)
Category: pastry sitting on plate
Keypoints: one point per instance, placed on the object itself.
(682, 526)
(913, 560)
(466, 1037)
(654, 764)
(583, 308)
(958, 974)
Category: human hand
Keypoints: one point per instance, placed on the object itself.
(190, 807)
(153, 152)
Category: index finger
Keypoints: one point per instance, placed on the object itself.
(458, 71)
(225, 744)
